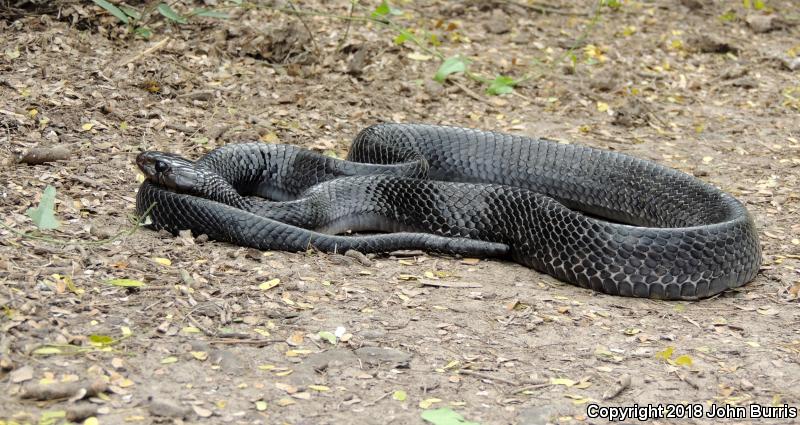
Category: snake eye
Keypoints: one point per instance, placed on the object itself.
(161, 166)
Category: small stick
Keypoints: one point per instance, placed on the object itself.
(349, 23)
(256, 342)
(489, 377)
(532, 387)
(379, 399)
(468, 91)
(145, 52)
(305, 25)
(622, 383)
(12, 114)
(41, 155)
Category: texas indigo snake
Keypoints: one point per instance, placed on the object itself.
(558, 208)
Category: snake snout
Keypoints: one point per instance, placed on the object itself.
(168, 170)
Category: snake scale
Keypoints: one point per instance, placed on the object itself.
(593, 218)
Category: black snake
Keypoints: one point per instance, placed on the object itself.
(594, 218)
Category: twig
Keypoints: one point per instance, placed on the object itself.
(145, 52)
(12, 114)
(123, 233)
(545, 10)
(40, 155)
(486, 376)
(578, 41)
(531, 387)
(256, 342)
(305, 25)
(372, 403)
(206, 331)
(622, 384)
(468, 91)
(687, 380)
(341, 42)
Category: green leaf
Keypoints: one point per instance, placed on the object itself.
(133, 13)
(684, 360)
(327, 336)
(666, 354)
(101, 340)
(170, 14)
(404, 36)
(44, 215)
(126, 283)
(208, 13)
(451, 65)
(384, 10)
(501, 85)
(47, 350)
(52, 417)
(758, 4)
(144, 32)
(114, 10)
(728, 16)
(445, 416)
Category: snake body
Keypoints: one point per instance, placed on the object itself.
(593, 218)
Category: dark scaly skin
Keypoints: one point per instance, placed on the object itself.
(177, 211)
(698, 241)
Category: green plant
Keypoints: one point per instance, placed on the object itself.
(137, 20)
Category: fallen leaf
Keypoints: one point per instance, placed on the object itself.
(43, 216)
(428, 402)
(562, 381)
(126, 283)
(162, 261)
(269, 284)
(22, 374)
(200, 355)
(683, 360)
(419, 56)
(666, 354)
(169, 360)
(445, 416)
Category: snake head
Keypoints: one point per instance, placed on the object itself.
(169, 170)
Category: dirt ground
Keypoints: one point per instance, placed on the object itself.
(223, 334)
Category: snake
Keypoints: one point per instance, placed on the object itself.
(593, 218)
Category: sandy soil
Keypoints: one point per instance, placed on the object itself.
(710, 88)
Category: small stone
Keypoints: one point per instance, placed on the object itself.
(167, 408)
(763, 23)
(357, 62)
(792, 64)
(79, 412)
(604, 81)
(745, 82)
(705, 43)
(692, 4)
(22, 374)
(377, 355)
(202, 411)
(333, 358)
(498, 23)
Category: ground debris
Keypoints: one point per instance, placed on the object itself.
(62, 390)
